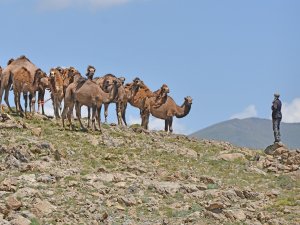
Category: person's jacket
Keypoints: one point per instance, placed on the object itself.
(276, 109)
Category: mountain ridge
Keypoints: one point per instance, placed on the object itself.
(252, 132)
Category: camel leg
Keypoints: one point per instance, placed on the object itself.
(93, 118)
(1, 94)
(41, 95)
(119, 113)
(63, 115)
(98, 115)
(170, 124)
(32, 103)
(166, 125)
(57, 116)
(43, 102)
(89, 116)
(16, 101)
(69, 115)
(145, 119)
(6, 94)
(124, 106)
(106, 111)
(25, 96)
(78, 114)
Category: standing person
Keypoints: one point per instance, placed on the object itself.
(276, 117)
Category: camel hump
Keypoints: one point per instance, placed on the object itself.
(24, 57)
(10, 61)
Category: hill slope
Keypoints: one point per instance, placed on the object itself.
(251, 132)
(130, 176)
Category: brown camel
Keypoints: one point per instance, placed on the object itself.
(88, 93)
(6, 76)
(56, 88)
(144, 99)
(67, 76)
(44, 84)
(169, 109)
(23, 83)
(105, 84)
(120, 100)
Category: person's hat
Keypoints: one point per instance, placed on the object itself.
(277, 95)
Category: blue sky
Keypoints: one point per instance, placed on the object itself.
(230, 56)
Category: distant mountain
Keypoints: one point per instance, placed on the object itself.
(251, 132)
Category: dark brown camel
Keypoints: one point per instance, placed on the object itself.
(144, 99)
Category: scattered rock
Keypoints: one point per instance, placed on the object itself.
(20, 220)
(128, 201)
(36, 131)
(231, 156)
(13, 203)
(42, 208)
(215, 207)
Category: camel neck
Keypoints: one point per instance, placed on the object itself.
(183, 110)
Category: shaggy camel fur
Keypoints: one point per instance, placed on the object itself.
(56, 88)
(6, 76)
(88, 93)
(169, 109)
(23, 83)
(144, 99)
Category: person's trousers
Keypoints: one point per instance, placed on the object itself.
(276, 129)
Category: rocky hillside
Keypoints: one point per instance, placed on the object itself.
(130, 176)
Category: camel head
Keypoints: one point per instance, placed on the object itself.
(54, 72)
(164, 90)
(72, 71)
(90, 71)
(122, 79)
(188, 101)
(40, 79)
(60, 69)
(109, 81)
(113, 91)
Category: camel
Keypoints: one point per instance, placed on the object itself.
(120, 100)
(23, 83)
(6, 76)
(169, 109)
(88, 93)
(56, 88)
(67, 76)
(144, 99)
(105, 83)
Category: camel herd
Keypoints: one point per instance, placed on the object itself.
(67, 85)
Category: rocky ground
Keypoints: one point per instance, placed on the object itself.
(130, 176)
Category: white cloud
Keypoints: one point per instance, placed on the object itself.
(91, 4)
(291, 111)
(158, 124)
(250, 111)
